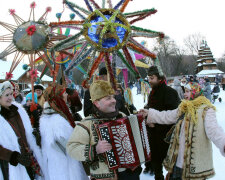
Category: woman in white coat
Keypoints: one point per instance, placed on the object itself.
(20, 157)
(56, 126)
(190, 153)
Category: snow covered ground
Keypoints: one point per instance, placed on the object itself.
(219, 160)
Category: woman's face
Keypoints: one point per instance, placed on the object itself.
(6, 98)
(187, 94)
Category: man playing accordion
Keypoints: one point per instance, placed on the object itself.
(86, 146)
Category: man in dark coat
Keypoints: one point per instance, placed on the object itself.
(162, 97)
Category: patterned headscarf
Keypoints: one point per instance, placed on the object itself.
(195, 89)
(54, 96)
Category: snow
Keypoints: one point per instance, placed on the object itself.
(219, 160)
(18, 72)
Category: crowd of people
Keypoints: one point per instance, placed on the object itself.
(43, 136)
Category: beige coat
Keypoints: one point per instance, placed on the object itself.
(190, 146)
(81, 146)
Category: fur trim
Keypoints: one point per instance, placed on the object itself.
(9, 140)
(100, 89)
(190, 107)
(55, 128)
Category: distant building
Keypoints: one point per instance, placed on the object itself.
(206, 64)
(20, 75)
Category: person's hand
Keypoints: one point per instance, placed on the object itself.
(103, 146)
(143, 112)
(24, 159)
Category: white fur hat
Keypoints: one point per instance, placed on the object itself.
(5, 85)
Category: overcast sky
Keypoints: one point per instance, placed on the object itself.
(176, 18)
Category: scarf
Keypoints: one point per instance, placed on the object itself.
(189, 107)
(54, 96)
(101, 115)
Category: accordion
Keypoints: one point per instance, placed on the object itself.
(129, 139)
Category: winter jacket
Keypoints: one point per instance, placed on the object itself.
(10, 143)
(161, 98)
(87, 103)
(178, 88)
(194, 152)
(207, 91)
(82, 147)
(55, 131)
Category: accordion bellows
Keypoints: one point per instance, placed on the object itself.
(129, 139)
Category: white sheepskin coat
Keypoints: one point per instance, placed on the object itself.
(9, 140)
(57, 164)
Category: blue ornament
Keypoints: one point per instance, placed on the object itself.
(94, 33)
(72, 16)
(58, 15)
(25, 66)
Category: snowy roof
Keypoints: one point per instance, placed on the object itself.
(205, 64)
(210, 72)
(18, 72)
(205, 59)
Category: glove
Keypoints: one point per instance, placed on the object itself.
(24, 159)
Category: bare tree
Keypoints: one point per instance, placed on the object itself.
(170, 56)
(221, 63)
(192, 43)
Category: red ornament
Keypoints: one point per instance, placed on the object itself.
(33, 73)
(12, 11)
(9, 75)
(33, 5)
(31, 30)
(48, 9)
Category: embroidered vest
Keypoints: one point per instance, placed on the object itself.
(198, 161)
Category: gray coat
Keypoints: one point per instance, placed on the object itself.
(207, 91)
(178, 88)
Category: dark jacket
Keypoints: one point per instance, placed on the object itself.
(161, 98)
(87, 103)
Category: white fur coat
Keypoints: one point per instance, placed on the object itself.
(8, 140)
(57, 163)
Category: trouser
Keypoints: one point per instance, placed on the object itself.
(223, 85)
(148, 166)
(130, 175)
(158, 170)
(176, 174)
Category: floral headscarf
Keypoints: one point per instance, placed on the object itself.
(195, 89)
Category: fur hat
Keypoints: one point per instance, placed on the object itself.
(29, 97)
(39, 86)
(5, 85)
(195, 88)
(100, 89)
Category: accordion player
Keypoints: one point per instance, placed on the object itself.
(129, 140)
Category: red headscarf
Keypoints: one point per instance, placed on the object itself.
(54, 95)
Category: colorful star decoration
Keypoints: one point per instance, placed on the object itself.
(106, 33)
